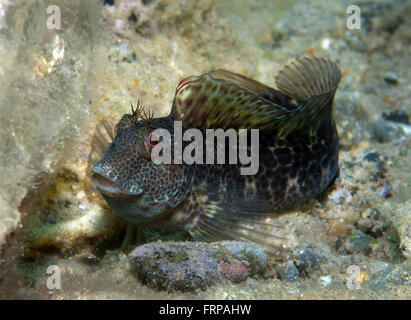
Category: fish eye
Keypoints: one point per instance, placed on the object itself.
(150, 140)
(153, 139)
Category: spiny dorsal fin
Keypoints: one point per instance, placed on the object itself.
(221, 99)
(254, 86)
(312, 82)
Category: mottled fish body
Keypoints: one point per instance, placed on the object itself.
(298, 153)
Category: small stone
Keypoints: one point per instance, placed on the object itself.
(369, 224)
(391, 77)
(365, 225)
(377, 230)
(358, 241)
(386, 131)
(396, 116)
(371, 157)
(308, 261)
(288, 272)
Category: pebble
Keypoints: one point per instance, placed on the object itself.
(358, 241)
(288, 272)
(308, 261)
(386, 131)
(365, 225)
(371, 157)
(396, 116)
(370, 223)
(370, 227)
(391, 77)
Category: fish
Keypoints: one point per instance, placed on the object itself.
(297, 152)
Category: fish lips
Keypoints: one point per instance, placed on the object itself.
(126, 205)
(107, 186)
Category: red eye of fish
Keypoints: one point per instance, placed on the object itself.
(150, 140)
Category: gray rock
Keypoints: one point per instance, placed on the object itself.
(370, 223)
(396, 116)
(386, 131)
(308, 261)
(391, 77)
(372, 157)
(358, 241)
(288, 272)
(187, 266)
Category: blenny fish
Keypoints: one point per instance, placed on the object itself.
(298, 154)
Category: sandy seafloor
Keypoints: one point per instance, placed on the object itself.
(57, 86)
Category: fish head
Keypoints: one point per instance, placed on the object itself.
(135, 187)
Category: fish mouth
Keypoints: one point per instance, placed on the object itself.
(107, 186)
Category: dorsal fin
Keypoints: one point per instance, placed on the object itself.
(254, 86)
(221, 99)
(304, 78)
(312, 82)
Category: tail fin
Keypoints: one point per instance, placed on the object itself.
(312, 82)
